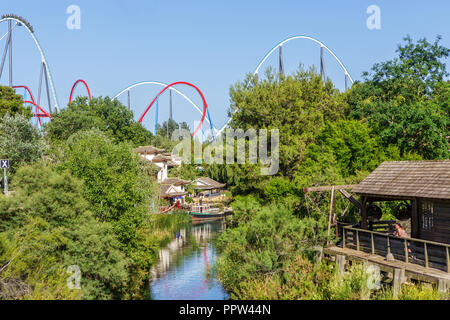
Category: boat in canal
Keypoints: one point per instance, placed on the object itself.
(205, 213)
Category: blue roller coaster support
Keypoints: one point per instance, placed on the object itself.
(156, 117)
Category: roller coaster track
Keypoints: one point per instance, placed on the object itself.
(22, 22)
(269, 53)
(171, 88)
(205, 105)
(75, 85)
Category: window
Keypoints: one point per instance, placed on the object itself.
(427, 215)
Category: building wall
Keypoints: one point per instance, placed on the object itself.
(434, 220)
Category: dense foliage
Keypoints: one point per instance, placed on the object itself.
(81, 198)
(11, 103)
(20, 141)
(101, 113)
(399, 112)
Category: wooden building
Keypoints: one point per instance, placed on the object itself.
(424, 185)
(173, 189)
(208, 187)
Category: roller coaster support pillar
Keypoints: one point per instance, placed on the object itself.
(10, 54)
(128, 93)
(322, 64)
(5, 51)
(170, 109)
(40, 84)
(280, 63)
(48, 91)
(156, 115)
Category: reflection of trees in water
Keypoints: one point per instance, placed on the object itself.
(184, 243)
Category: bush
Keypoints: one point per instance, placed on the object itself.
(47, 226)
(20, 141)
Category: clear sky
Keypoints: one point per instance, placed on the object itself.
(212, 44)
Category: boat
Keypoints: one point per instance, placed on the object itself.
(205, 212)
(206, 216)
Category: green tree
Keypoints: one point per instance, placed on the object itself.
(46, 226)
(168, 127)
(414, 74)
(298, 106)
(20, 141)
(263, 243)
(101, 113)
(12, 103)
(117, 187)
(406, 100)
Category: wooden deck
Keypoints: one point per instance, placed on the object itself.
(411, 271)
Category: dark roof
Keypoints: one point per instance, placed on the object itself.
(148, 150)
(161, 158)
(422, 179)
(165, 188)
(170, 163)
(208, 184)
(175, 181)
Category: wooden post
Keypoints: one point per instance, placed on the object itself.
(340, 259)
(414, 219)
(389, 256)
(357, 240)
(372, 243)
(406, 251)
(331, 213)
(448, 259)
(364, 213)
(443, 285)
(399, 278)
(343, 237)
(425, 248)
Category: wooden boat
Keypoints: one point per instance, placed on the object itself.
(206, 215)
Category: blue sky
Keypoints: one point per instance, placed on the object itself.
(212, 44)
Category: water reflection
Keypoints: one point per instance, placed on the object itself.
(184, 267)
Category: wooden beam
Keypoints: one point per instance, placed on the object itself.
(415, 218)
(329, 188)
(350, 198)
(332, 200)
(364, 213)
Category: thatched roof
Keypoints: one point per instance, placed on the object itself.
(206, 183)
(164, 192)
(422, 179)
(148, 150)
(175, 181)
(161, 158)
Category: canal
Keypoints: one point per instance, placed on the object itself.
(184, 269)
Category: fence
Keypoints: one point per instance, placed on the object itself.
(426, 253)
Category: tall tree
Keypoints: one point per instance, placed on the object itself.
(101, 113)
(20, 141)
(12, 103)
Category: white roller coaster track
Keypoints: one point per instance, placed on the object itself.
(47, 68)
(271, 51)
(162, 84)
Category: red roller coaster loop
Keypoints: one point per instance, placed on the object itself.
(26, 88)
(44, 114)
(205, 106)
(74, 86)
(38, 115)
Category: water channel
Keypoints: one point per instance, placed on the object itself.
(184, 269)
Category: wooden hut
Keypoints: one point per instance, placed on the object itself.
(424, 185)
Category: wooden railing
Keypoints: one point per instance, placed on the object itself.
(426, 253)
